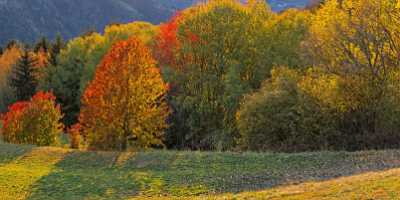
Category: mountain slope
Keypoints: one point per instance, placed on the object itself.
(27, 20)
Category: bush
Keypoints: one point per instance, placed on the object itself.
(281, 116)
(34, 122)
(318, 110)
(267, 119)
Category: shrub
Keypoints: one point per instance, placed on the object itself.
(268, 118)
(33, 122)
(281, 116)
(317, 110)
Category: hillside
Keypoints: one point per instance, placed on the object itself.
(28, 172)
(32, 19)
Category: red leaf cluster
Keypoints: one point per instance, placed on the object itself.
(167, 41)
(16, 110)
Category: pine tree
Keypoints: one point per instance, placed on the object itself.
(42, 44)
(23, 78)
(11, 44)
(56, 49)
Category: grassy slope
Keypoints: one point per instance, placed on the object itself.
(28, 172)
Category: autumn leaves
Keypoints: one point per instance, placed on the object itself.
(126, 99)
(225, 75)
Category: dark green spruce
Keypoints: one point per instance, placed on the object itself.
(23, 77)
(55, 50)
(42, 45)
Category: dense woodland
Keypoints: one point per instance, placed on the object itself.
(220, 75)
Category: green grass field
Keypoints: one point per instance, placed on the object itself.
(28, 172)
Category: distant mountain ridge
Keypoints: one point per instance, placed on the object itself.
(27, 20)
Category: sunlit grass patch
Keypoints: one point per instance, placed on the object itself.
(28, 172)
(18, 176)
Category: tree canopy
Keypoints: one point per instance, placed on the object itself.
(125, 100)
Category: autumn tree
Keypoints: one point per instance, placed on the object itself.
(166, 46)
(346, 100)
(285, 34)
(359, 41)
(212, 54)
(77, 62)
(36, 121)
(23, 78)
(126, 100)
(113, 34)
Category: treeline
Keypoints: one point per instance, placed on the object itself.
(220, 75)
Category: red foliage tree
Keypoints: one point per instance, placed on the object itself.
(33, 122)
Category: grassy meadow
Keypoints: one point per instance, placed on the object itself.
(29, 172)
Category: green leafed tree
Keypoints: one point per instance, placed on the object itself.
(215, 52)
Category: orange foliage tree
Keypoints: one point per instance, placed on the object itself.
(125, 101)
(42, 62)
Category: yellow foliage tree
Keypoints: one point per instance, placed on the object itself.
(359, 41)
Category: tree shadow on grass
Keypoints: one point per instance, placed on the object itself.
(196, 173)
(19, 174)
(112, 175)
(83, 175)
(11, 152)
